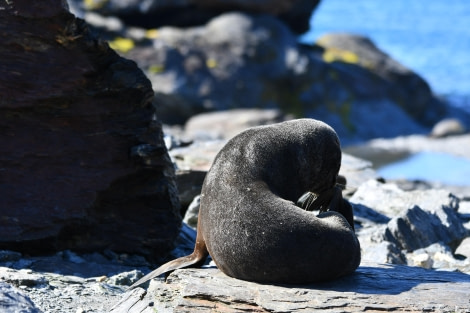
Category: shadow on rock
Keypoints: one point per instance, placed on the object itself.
(389, 279)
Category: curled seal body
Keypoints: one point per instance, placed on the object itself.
(249, 221)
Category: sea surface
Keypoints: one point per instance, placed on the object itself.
(430, 166)
(432, 38)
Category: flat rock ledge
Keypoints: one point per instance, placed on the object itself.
(372, 288)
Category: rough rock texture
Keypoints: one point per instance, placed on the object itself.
(13, 300)
(417, 228)
(373, 288)
(399, 226)
(83, 163)
(54, 293)
(184, 13)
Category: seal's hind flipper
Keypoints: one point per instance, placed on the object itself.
(195, 259)
(182, 262)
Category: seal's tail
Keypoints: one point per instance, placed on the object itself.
(195, 259)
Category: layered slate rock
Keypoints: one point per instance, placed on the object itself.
(373, 287)
(83, 163)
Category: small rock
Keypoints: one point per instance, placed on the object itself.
(422, 260)
(101, 278)
(126, 278)
(448, 127)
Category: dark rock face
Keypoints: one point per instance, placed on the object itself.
(295, 13)
(83, 163)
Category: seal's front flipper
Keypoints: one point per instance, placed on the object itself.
(306, 200)
(310, 201)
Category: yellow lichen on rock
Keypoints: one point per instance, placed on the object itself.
(123, 45)
(335, 55)
(94, 4)
(211, 63)
(151, 33)
(156, 68)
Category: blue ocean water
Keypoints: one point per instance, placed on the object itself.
(430, 166)
(431, 37)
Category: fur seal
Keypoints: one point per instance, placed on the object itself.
(249, 221)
